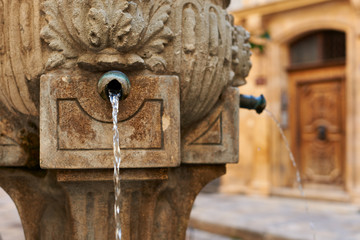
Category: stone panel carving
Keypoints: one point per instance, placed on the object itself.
(113, 35)
(76, 122)
(213, 135)
(215, 139)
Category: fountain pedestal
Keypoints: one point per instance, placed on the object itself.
(156, 203)
(77, 204)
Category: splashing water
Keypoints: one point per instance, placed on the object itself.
(298, 177)
(114, 99)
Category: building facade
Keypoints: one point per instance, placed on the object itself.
(306, 61)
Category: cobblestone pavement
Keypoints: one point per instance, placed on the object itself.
(275, 218)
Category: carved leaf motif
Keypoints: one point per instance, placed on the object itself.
(94, 32)
(129, 28)
(98, 27)
(55, 33)
(156, 23)
(156, 37)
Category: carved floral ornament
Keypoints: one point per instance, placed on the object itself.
(116, 34)
(209, 52)
(103, 34)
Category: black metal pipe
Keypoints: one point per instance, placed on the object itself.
(253, 103)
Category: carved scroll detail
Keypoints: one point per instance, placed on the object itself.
(189, 22)
(117, 35)
(20, 54)
(214, 33)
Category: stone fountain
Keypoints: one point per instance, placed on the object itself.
(178, 125)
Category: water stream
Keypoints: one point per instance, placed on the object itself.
(298, 177)
(114, 99)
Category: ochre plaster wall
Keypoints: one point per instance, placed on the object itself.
(264, 166)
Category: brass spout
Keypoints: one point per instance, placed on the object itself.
(251, 102)
(114, 81)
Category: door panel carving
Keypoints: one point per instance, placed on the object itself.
(320, 130)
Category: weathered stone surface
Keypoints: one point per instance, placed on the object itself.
(76, 123)
(19, 139)
(216, 138)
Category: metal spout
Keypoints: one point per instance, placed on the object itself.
(251, 102)
(116, 82)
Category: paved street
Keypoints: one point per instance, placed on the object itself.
(275, 218)
(195, 234)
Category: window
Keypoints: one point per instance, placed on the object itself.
(318, 48)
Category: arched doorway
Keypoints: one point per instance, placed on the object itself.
(317, 78)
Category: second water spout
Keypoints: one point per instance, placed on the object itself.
(251, 102)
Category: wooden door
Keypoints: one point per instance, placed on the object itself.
(319, 128)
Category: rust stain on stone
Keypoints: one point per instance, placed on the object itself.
(73, 122)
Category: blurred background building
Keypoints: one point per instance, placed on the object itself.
(306, 61)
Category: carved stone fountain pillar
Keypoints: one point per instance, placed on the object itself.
(178, 127)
